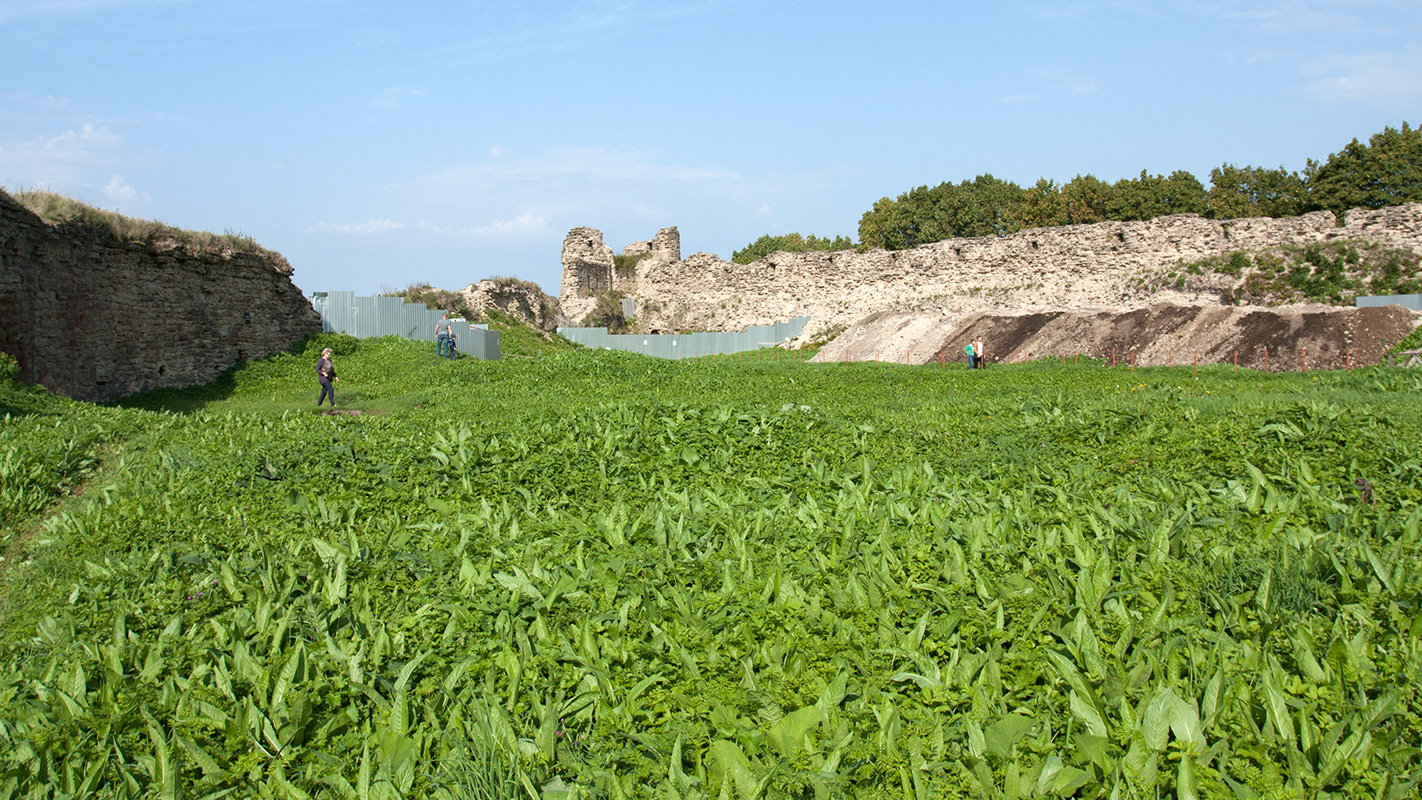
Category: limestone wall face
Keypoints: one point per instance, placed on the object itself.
(522, 299)
(587, 271)
(98, 319)
(1075, 267)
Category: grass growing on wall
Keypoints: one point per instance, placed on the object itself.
(1322, 272)
(56, 209)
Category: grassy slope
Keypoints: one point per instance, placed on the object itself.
(740, 509)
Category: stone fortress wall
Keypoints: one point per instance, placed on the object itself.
(588, 268)
(97, 319)
(1106, 266)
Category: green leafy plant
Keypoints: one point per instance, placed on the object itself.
(596, 574)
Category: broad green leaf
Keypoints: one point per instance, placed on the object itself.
(1185, 778)
(1087, 713)
(1001, 736)
(1278, 708)
(788, 734)
(1185, 723)
(1155, 723)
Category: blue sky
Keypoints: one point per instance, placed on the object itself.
(380, 144)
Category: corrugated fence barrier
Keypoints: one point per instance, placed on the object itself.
(688, 345)
(343, 312)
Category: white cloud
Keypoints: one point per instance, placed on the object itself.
(1058, 82)
(121, 193)
(1266, 16)
(19, 9)
(764, 209)
(1294, 16)
(1379, 79)
(367, 228)
(567, 165)
(48, 102)
(521, 225)
(533, 29)
(393, 97)
(62, 161)
(496, 152)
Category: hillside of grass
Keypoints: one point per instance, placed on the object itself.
(594, 574)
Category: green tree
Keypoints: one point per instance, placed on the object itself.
(908, 221)
(1386, 171)
(1237, 192)
(1183, 193)
(984, 206)
(789, 243)
(1151, 196)
(1042, 206)
(1086, 198)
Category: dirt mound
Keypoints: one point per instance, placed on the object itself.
(1292, 338)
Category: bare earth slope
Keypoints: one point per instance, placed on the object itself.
(1318, 337)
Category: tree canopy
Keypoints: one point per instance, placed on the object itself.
(984, 206)
(1385, 171)
(1254, 192)
(789, 243)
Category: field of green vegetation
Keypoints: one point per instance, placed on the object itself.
(595, 575)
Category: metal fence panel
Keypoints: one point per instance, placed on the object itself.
(688, 345)
(1412, 301)
(366, 317)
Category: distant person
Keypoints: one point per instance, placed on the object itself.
(326, 373)
(443, 333)
(979, 353)
(972, 356)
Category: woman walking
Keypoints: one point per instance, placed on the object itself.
(326, 373)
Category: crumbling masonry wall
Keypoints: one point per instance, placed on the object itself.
(97, 319)
(589, 270)
(1112, 266)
